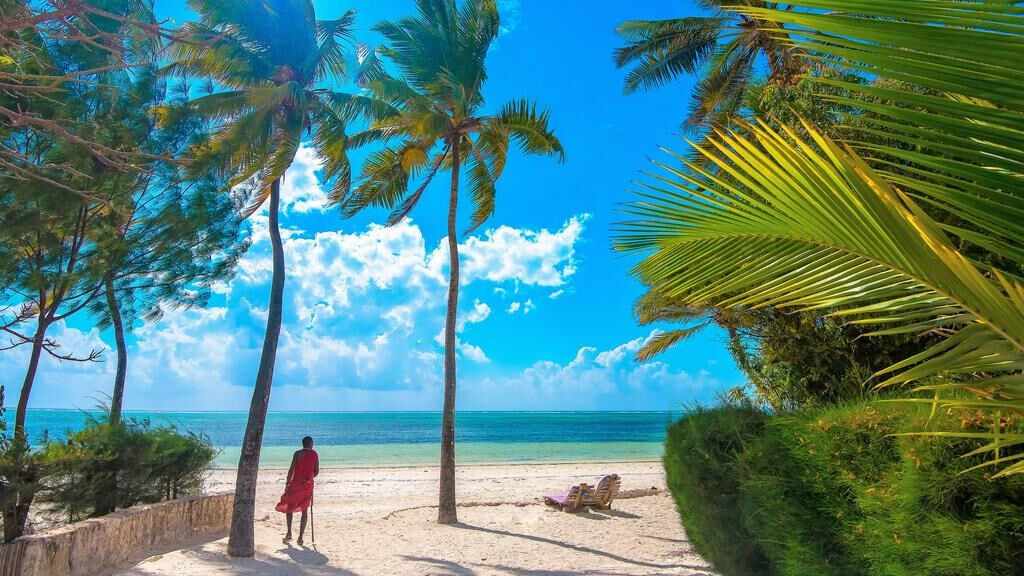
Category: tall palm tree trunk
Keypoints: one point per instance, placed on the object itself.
(446, 498)
(117, 398)
(241, 540)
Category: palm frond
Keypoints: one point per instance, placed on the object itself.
(780, 224)
(403, 209)
(661, 51)
(384, 181)
(661, 342)
(719, 93)
(528, 127)
(485, 164)
(654, 307)
(334, 37)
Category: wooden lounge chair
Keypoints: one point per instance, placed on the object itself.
(569, 501)
(606, 491)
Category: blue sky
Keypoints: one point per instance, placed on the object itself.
(544, 319)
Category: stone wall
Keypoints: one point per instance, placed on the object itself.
(97, 546)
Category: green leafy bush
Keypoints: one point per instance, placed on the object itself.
(105, 467)
(833, 491)
(701, 452)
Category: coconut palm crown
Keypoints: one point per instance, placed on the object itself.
(429, 116)
(727, 48)
(272, 62)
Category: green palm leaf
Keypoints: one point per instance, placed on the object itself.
(662, 341)
(663, 50)
(776, 223)
(728, 49)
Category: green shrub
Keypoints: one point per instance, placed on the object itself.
(832, 491)
(701, 451)
(105, 467)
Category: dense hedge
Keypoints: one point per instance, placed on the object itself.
(831, 491)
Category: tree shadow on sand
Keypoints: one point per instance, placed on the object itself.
(578, 548)
(518, 571)
(606, 514)
(449, 568)
(300, 562)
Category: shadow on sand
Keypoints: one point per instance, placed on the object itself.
(441, 567)
(304, 555)
(575, 547)
(301, 562)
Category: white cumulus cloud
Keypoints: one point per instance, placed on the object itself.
(530, 257)
(590, 378)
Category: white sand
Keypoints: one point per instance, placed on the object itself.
(382, 521)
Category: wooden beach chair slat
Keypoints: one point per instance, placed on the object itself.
(568, 501)
(583, 495)
(606, 491)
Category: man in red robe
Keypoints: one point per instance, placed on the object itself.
(298, 492)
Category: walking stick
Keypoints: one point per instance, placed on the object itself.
(312, 530)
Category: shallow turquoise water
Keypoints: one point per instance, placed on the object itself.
(386, 455)
(354, 439)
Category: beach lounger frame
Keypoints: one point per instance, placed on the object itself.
(601, 497)
(570, 501)
(585, 496)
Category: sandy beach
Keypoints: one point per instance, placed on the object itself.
(374, 521)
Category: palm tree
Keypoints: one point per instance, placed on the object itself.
(271, 58)
(430, 118)
(809, 223)
(729, 46)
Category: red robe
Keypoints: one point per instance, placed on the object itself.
(299, 493)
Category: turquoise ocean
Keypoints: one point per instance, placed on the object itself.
(379, 439)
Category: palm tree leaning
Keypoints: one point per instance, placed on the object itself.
(729, 46)
(430, 119)
(270, 58)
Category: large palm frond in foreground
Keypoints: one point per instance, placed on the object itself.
(776, 220)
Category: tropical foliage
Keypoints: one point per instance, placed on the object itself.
(117, 234)
(108, 35)
(726, 48)
(271, 62)
(430, 119)
(848, 495)
(803, 222)
(109, 466)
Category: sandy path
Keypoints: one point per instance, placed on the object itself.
(381, 521)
